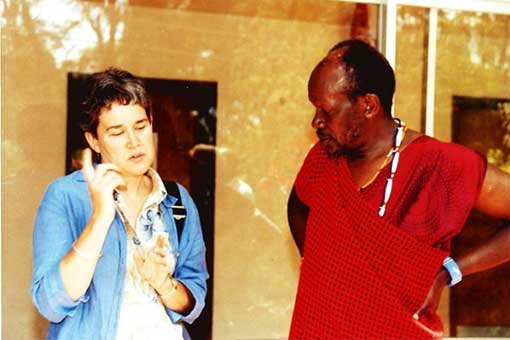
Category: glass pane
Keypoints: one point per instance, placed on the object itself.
(260, 55)
(472, 108)
(473, 59)
(411, 66)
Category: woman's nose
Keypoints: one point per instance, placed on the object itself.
(133, 140)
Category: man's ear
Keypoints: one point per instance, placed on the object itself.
(372, 105)
(93, 142)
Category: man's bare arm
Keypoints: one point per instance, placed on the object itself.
(297, 214)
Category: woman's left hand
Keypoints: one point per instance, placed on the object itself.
(154, 266)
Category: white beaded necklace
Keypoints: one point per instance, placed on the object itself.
(395, 154)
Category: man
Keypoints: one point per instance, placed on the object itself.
(375, 206)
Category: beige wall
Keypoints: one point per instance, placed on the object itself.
(261, 66)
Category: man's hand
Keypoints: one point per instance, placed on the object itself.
(431, 303)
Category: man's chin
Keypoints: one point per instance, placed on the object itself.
(335, 150)
(332, 150)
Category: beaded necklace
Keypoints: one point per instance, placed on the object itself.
(394, 153)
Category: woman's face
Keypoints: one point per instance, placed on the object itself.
(124, 138)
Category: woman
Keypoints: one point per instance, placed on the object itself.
(108, 262)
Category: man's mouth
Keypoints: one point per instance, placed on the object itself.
(323, 137)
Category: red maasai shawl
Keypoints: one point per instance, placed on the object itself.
(363, 276)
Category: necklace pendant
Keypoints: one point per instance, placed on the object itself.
(136, 241)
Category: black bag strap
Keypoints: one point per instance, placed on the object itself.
(178, 209)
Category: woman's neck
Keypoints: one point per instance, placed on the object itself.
(136, 186)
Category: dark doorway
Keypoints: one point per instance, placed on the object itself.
(185, 129)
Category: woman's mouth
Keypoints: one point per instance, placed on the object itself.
(137, 157)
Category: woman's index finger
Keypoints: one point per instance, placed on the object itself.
(88, 169)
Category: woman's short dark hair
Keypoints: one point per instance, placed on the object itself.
(112, 86)
(370, 70)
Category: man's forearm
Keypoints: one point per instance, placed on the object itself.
(491, 253)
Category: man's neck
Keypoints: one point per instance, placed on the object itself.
(380, 139)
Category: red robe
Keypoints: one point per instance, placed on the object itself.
(363, 276)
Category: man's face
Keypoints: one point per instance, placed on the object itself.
(124, 138)
(338, 120)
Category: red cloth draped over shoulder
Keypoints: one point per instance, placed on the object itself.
(363, 276)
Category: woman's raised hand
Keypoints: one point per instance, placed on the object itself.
(102, 182)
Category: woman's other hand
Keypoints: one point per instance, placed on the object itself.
(154, 266)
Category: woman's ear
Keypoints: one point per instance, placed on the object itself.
(93, 142)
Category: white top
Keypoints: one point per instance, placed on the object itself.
(142, 314)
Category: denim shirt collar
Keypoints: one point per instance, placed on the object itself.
(168, 201)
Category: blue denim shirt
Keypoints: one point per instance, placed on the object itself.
(64, 212)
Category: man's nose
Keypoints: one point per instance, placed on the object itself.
(318, 120)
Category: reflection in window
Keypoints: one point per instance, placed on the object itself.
(69, 29)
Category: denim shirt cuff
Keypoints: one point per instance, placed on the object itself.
(197, 309)
(58, 297)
